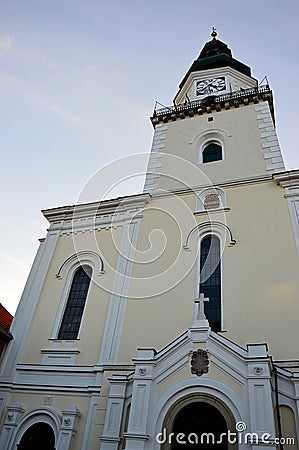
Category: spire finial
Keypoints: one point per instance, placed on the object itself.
(213, 34)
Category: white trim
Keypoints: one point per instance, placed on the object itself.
(269, 138)
(38, 415)
(192, 386)
(28, 303)
(210, 227)
(225, 236)
(118, 300)
(76, 257)
(154, 163)
(201, 195)
(75, 264)
(290, 182)
(197, 274)
(212, 135)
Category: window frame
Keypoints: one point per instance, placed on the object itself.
(204, 238)
(201, 140)
(208, 144)
(197, 265)
(83, 267)
(68, 279)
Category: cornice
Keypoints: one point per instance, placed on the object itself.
(96, 215)
(101, 207)
(288, 178)
(222, 184)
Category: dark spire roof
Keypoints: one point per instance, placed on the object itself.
(213, 55)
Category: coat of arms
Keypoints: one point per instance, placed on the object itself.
(200, 362)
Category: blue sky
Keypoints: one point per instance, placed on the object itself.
(78, 83)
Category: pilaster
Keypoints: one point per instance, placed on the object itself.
(260, 396)
(68, 428)
(13, 416)
(115, 412)
(118, 299)
(28, 303)
(137, 434)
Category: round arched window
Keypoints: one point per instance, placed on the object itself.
(212, 152)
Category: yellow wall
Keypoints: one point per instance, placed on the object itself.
(244, 154)
(260, 281)
(94, 318)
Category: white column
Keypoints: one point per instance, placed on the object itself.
(137, 434)
(68, 427)
(114, 413)
(261, 408)
(118, 299)
(29, 300)
(8, 432)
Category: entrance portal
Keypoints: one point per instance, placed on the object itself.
(199, 422)
(38, 436)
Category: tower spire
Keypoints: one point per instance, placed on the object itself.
(214, 33)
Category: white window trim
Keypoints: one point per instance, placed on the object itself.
(38, 415)
(65, 294)
(206, 144)
(214, 135)
(197, 273)
(224, 234)
(200, 199)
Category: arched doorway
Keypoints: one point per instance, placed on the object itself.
(38, 436)
(199, 425)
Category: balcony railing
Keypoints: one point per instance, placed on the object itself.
(212, 99)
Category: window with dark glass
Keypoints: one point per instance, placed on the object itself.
(212, 152)
(210, 279)
(75, 304)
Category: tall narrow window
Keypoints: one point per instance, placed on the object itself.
(212, 152)
(210, 279)
(75, 304)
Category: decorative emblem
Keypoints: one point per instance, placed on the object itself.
(212, 201)
(258, 370)
(10, 416)
(67, 421)
(48, 400)
(200, 362)
(142, 371)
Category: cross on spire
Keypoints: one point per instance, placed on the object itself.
(200, 302)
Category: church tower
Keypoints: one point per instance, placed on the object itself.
(168, 320)
(222, 121)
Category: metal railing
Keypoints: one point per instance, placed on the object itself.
(212, 99)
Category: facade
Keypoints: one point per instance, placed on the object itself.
(168, 319)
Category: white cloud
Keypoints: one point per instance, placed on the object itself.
(7, 42)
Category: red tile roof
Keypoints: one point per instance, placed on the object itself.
(5, 318)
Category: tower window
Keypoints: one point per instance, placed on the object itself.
(210, 279)
(75, 304)
(212, 152)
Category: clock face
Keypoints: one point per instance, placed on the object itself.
(210, 86)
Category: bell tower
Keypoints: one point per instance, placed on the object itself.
(221, 125)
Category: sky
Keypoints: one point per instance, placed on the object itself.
(78, 83)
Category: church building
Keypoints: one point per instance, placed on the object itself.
(168, 319)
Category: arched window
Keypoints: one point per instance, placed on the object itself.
(210, 279)
(212, 152)
(75, 304)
